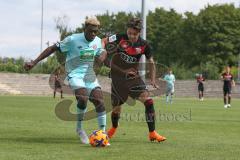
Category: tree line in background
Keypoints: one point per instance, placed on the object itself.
(188, 43)
(16, 65)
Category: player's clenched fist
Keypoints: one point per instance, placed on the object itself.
(29, 65)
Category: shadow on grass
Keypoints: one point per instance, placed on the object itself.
(43, 140)
(134, 141)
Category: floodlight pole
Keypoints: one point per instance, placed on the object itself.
(41, 45)
(239, 68)
(143, 35)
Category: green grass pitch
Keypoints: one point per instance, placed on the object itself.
(30, 130)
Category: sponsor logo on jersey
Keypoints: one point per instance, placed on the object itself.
(112, 38)
(127, 58)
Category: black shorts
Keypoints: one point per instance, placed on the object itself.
(227, 90)
(122, 88)
(57, 85)
(200, 87)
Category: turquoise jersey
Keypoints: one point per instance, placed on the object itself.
(80, 55)
(170, 78)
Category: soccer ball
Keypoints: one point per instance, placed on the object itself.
(98, 139)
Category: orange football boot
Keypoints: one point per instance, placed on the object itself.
(155, 136)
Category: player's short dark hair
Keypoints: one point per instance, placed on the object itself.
(135, 23)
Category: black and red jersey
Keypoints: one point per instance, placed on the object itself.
(200, 80)
(128, 54)
(227, 79)
(56, 77)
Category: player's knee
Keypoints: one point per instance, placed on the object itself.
(116, 114)
(99, 105)
(82, 99)
(96, 101)
(116, 110)
(144, 97)
(81, 95)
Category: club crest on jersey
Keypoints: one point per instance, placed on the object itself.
(94, 46)
(124, 44)
(112, 38)
(138, 50)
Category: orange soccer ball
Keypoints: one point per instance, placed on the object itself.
(98, 139)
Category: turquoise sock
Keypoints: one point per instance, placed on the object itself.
(167, 99)
(80, 116)
(101, 117)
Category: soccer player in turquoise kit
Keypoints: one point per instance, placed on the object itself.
(81, 50)
(170, 78)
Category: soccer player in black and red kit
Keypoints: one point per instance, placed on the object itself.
(228, 82)
(57, 84)
(200, 80)
(126, 80)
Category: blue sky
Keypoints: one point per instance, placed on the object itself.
(20, 19)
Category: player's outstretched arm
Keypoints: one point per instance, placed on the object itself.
(99, 61)
(152, 69)
(221, 77)
(102, 57)
(233, 83)
(47, 52)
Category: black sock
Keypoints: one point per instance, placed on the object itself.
(229, 99)
(115, 118)
(150, 114)
(54, 94)
(225, 100)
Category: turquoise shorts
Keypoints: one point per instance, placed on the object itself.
(169, 90)
(79, 82)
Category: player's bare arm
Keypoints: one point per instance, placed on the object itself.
(99, 61)
(222, 78)
(47, 52)
(233, 83)
(152, 69)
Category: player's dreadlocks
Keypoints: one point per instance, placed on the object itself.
(92, 21)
